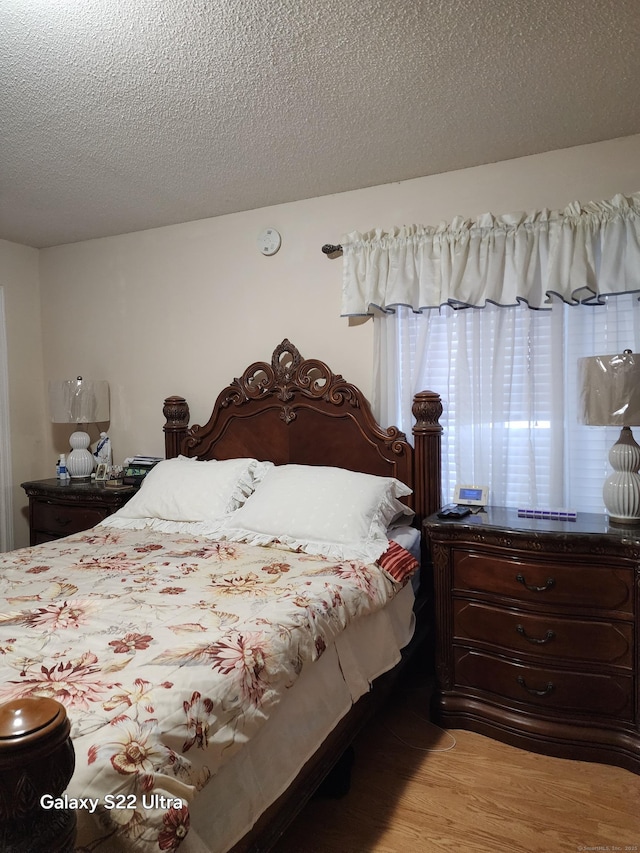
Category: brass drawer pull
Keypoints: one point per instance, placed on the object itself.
(538, 641)
(550, 582)
(544, 692)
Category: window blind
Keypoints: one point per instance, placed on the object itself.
(508, 380)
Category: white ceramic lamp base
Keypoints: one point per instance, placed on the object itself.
(80, 461)
(622, 489)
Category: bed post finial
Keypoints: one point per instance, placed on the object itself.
(176, 412)
(427, 408)
(36, 758)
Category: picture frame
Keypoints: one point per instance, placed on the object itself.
(101, 472)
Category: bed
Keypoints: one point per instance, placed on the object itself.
(211, 665)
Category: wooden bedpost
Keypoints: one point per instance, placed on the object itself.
(427, 408)
(36, 763)
(176, 411)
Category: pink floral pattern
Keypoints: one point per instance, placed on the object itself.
(198, 713)
(74, 683)
(131, 642)
(175, 828)
(168, 652)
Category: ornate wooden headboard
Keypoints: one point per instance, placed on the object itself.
(297, 410)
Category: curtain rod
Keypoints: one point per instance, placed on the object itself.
(332, 251)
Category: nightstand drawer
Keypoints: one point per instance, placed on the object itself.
(544, 582)
(558, 690)
(62, 519)
(513, 631)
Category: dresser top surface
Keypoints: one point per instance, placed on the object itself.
(505, 519)
(60, 488)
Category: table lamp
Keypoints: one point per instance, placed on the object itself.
(79, 401)
(610, 396)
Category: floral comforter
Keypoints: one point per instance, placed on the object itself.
(169, 652)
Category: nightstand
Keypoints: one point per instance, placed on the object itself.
(537, 633)
(61, 507)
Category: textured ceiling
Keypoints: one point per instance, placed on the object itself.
(120, 115)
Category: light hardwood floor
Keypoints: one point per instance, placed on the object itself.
(411, 792)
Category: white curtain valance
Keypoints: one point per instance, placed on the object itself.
(581, 254)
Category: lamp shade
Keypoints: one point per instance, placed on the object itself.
(609, 389)
(79, 401)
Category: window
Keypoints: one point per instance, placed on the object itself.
(507, 378)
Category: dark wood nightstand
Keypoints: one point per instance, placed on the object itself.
(59, 508)
(537, 633)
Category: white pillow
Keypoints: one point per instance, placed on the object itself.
(330, 511)
(186, 490)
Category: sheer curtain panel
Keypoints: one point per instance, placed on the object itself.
(509, 386)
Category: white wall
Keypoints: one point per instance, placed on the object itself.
(19, 278)
(184, 309)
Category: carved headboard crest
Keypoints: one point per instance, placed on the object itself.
(289, 373)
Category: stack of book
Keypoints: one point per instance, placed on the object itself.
(137, 467)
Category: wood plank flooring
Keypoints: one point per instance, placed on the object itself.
(417, 788)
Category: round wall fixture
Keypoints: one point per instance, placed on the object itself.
(269, 241)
